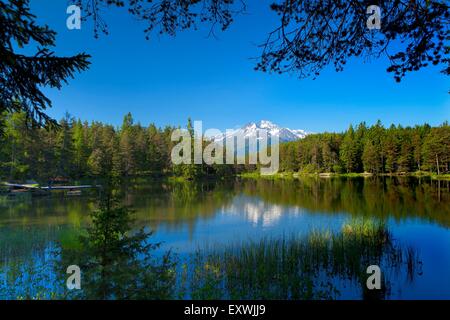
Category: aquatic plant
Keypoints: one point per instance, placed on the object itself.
(311, 267)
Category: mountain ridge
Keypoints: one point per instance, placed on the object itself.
(252, 129)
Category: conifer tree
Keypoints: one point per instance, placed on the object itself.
(22, 77)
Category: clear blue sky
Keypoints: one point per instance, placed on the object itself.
(166, 80)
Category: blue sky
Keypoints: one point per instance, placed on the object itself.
(167, 79)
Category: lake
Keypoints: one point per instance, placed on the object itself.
(189, 216)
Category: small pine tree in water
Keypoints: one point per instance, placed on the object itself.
(118, 262)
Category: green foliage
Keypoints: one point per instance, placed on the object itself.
(78, 150)
(350, 151)
(436, 149)
(81, 150)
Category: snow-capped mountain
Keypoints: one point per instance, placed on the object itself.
(254, 129)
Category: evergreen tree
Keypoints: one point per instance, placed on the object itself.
(406, 156)
(64, 149)
(14, 166)
(390, 149)
(155, 152)
(24, 76)
(349, 153)
(370, 158)
(127, 161)
(117, 259)
(80, 149)
(436, 149)
(190, 171)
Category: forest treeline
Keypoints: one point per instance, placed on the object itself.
(81, 149)
(374, 149)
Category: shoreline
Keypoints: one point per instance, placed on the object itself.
(280, 175)
(294, 175)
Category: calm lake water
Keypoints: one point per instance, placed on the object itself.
(189, 216)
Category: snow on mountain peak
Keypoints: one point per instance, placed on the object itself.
(265, 124)
(252, 129)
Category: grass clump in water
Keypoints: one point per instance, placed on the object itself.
(311, 267)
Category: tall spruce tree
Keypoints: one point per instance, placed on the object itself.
(349, 151)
